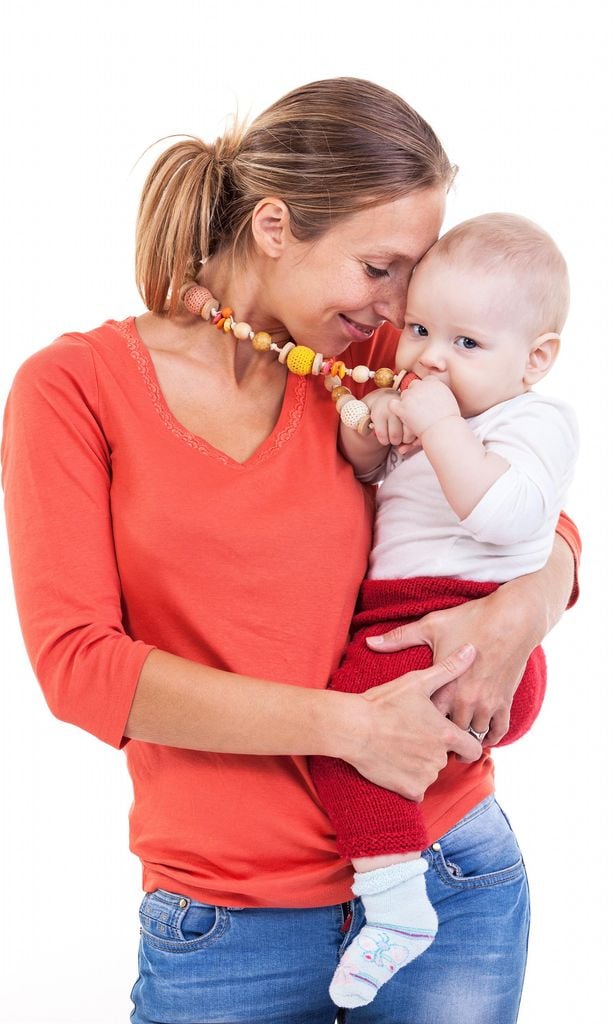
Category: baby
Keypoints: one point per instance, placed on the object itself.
(475, 466)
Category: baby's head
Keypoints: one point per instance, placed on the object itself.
(485, 309)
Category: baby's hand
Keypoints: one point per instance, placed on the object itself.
(424, 403)
(388, 427)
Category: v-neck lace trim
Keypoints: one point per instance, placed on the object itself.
(287, 424)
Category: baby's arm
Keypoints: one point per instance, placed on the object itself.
(465, 469)
(367, 454)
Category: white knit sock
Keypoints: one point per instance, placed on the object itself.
(400, 924)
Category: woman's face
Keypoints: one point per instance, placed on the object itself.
(341, 287)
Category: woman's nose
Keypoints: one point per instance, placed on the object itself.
(391, 307)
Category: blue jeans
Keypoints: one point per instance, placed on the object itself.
(200, 964)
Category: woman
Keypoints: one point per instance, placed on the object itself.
(187, 545)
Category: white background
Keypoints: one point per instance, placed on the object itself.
(519, 95)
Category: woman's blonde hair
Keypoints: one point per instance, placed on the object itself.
(326, 149)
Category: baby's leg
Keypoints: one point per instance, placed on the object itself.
(400, 924)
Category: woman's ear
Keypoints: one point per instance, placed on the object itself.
(543, 352)
(270, 226)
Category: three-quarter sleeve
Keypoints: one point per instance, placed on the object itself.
(56, 475)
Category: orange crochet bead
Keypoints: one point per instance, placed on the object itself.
(300, 360)
(384, 377)
(338, 369)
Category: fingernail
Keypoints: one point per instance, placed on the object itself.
(374, 640)
(466, 651)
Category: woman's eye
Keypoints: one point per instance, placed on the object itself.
(375, 271)
(464, 342)
(419, 330)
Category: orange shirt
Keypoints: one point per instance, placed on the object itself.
(128, 533)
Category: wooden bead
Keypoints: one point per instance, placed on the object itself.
(300, 360)
(211, 306)
(365, 426)
(384, 377)
(227, 325)
(338, 369)
(262, 341)
(318, 362)
(332, 382)
(344, 400)
(284, 352)
(361, 374)
(339, 392)
(353, 412)
(398, 379)
(226, 311)
(242, 331)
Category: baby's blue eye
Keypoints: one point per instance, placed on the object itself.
(419, 330)
(464, 342)
(375, 271)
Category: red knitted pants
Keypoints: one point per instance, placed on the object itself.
(370, 821)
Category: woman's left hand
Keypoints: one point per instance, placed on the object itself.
(504, 632)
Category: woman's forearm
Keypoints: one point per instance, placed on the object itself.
(180, 703)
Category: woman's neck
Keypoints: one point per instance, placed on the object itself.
(240, 284)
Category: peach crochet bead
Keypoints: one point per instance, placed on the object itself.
(195, 299)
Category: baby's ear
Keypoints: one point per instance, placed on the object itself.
(543, 352)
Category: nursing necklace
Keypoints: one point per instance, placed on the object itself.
(299, 359)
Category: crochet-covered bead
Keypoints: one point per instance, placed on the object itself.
(300, 360)
(242, 331)
(339, 392)
(195, 298)
(384, 377)
(262, 341)
(353, 412)
(361, 374)
(332, 382)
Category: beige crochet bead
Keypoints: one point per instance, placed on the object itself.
(332, 382)
(353, 412)
(242, 331)
(344, 400)
(361, 374)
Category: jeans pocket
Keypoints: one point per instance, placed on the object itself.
(177, 924)
(480, 851)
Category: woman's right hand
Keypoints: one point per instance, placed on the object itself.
(405, 738)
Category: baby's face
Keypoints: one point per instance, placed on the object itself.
(468, 329)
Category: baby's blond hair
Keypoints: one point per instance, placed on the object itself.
(504, 241)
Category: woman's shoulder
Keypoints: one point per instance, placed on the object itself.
(72, 356)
